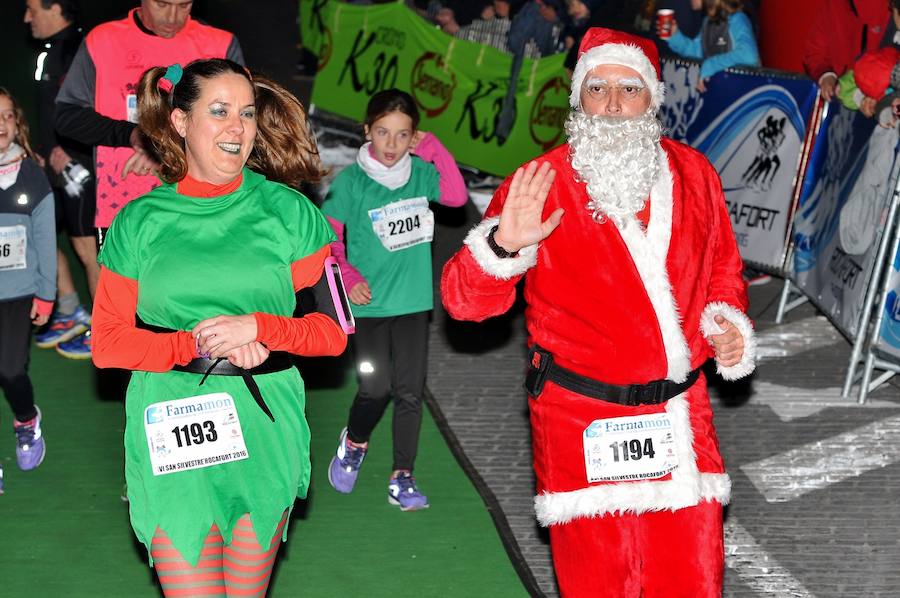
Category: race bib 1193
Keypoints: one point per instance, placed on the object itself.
(194, 432)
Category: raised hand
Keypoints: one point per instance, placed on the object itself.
(520, 220)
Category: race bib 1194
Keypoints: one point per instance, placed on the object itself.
(640, 447)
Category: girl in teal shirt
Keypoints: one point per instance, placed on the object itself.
(378, 207)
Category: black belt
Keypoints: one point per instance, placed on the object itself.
(278, 361)
(542, 368)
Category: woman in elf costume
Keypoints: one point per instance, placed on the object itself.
(196, 296)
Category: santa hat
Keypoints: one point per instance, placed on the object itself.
(606, 46)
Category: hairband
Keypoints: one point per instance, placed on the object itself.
(168, 81)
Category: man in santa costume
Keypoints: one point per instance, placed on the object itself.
(632, 281)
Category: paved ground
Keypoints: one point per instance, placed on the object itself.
(815, 476)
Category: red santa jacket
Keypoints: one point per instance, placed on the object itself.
(616, 305)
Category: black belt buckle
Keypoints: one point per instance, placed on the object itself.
(539, 362)
(645, 394)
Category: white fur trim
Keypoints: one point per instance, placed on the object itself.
(621, 54)
(649, 255)
(503, 268)
(708, 327)
(686, 488)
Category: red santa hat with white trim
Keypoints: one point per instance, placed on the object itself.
(607, 46)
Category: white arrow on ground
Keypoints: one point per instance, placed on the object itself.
(819, 464)
(756, 567)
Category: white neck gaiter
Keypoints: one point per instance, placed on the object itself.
(392, 177)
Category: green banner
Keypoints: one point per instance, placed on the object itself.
(459, 86)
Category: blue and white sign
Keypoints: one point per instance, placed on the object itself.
(889, 335)
(842, 210)
(752, 127)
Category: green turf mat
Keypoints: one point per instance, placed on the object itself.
(64, 531)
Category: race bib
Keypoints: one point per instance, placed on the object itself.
(194, 432)
(403, 223)
(131, 110)
(640, 447)
(13, 243)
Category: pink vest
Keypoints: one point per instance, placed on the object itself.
(121, 52)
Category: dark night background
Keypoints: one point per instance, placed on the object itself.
(267, 30)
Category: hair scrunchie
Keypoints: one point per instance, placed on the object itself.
(168, 81)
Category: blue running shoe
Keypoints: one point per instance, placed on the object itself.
(402, 492)
(77, 348)
(30, 448)
(64, 328)
(345, 465)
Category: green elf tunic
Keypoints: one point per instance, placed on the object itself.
(196, 258)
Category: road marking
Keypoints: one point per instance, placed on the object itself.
(789, 402)
(819, 464)
(795, 337)
(756, 567)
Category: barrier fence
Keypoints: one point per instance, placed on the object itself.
(811, 188)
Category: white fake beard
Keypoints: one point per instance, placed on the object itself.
(618, 159)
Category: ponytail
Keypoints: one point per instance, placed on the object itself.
(285, 150)
(154, 111)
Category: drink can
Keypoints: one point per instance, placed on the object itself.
(665, 19)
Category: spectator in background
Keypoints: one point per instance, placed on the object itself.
(53, 23)
(877, 72)
(581, 13)
(841, 31)
(456, 14)
(725, 40)
(688, 15)
(492, 29)
(97, 103)
(534, 32)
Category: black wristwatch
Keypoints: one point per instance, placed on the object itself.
(498, 251)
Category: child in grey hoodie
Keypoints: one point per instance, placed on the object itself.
(27, 274)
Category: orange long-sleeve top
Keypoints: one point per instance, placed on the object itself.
(118, 343)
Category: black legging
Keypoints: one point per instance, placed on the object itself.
(15, 330)
(391, 359)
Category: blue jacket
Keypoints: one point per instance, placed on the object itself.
(743, 44)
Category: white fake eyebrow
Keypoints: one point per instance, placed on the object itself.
(631, 82)
(595, 81)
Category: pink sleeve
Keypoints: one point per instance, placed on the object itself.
(453, 187)
(351, 275)
(43, 308)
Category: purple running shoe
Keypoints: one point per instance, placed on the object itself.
(402, 492)
(29, 443)
(345, 465)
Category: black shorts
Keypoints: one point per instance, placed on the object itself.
(76, 214)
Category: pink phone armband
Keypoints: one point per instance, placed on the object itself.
(339, 295)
